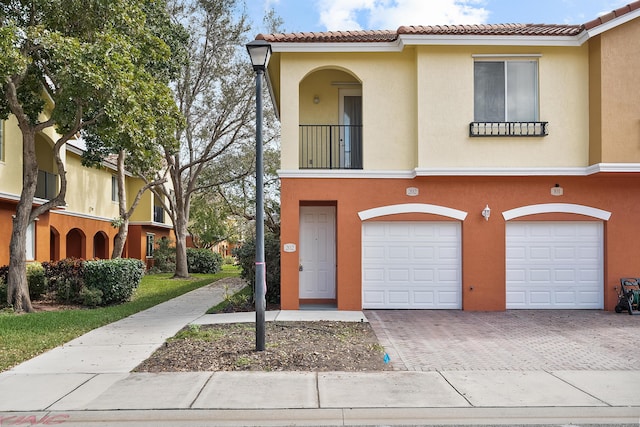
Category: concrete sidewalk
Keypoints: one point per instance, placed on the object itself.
(88, 382)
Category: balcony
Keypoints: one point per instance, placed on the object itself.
(514, 129)
(330, 146)
(47, 186)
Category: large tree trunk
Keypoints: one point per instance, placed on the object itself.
(120, 239)
(123, 228)
(180, 228)
(17, 286)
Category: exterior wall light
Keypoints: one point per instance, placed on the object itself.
(316, 99)
(486, 212)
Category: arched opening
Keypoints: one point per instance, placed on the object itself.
(101, 245)
(330, 106)
(54, 244)
(76, 243)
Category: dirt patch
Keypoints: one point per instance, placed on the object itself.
(289, 346)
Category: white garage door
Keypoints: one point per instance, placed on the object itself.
(411, 265)
(554, 265)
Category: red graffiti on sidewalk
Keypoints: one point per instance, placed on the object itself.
(32, 420)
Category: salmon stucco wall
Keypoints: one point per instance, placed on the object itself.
(483, 242)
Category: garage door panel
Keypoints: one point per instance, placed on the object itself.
(423, 275)
(554, 265)
(398, 275)
(421, 265)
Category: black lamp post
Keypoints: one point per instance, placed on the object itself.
(260, 53)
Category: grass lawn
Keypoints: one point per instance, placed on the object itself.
(27, 335)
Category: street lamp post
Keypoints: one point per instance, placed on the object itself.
(260, 53)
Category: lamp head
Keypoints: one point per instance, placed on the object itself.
(260, 53)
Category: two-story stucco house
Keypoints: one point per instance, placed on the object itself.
(475, 167)
(82, 228)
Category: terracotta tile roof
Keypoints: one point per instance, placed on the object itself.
(494, 30)
(613, 14)
(332, 37)
(381, 36)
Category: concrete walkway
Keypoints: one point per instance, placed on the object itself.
(87, 382)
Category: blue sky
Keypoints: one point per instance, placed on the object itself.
(324, 15)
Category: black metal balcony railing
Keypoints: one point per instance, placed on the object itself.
(158, 214)
(508, 129)
(330, 146)
(47, 186)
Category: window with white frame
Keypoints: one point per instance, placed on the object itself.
(31, 242)
(506, 91)
(150, 245)
(114, 188)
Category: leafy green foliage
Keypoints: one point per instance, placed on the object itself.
(203, 261)
(246, 255)
(115, 278)
(164, 257)
(36, 280)
(65, 279)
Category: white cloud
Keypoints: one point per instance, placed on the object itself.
(390, 14)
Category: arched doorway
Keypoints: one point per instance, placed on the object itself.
(54, 244)
(76, 243)
(101, 245)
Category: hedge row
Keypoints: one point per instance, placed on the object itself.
(75, 281)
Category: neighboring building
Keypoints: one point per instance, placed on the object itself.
(82, 228)
(394, 144)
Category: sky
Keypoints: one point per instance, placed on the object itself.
(332, 15)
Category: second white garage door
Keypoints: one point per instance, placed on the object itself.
(554, 265)
(412, 265)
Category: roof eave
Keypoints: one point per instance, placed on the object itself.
(606, 26)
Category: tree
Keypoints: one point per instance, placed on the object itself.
(214, 94)
(80, 67)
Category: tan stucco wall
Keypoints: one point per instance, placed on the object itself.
(445, 82)
(388, 97)
(89, 189)
(618, 60)
(417, 106)
(11, 165)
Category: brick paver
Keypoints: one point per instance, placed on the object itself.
(441, 340)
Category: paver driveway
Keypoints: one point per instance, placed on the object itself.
(445, 340)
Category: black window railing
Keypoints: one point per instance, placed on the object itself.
(508, 129)
(330, 146)
(158, 214)
(47, 186)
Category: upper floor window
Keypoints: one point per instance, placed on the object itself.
(506, 91)
(114, 188)
(506, 99)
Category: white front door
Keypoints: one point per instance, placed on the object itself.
(317, 252)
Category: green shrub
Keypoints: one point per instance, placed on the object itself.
(246, 255)
(164, 257)
(229, 260)
(35, 279)
(64, 279)
(203, 261)
(91, 297)
(116, 278)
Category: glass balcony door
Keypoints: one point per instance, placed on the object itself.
(350, 147)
